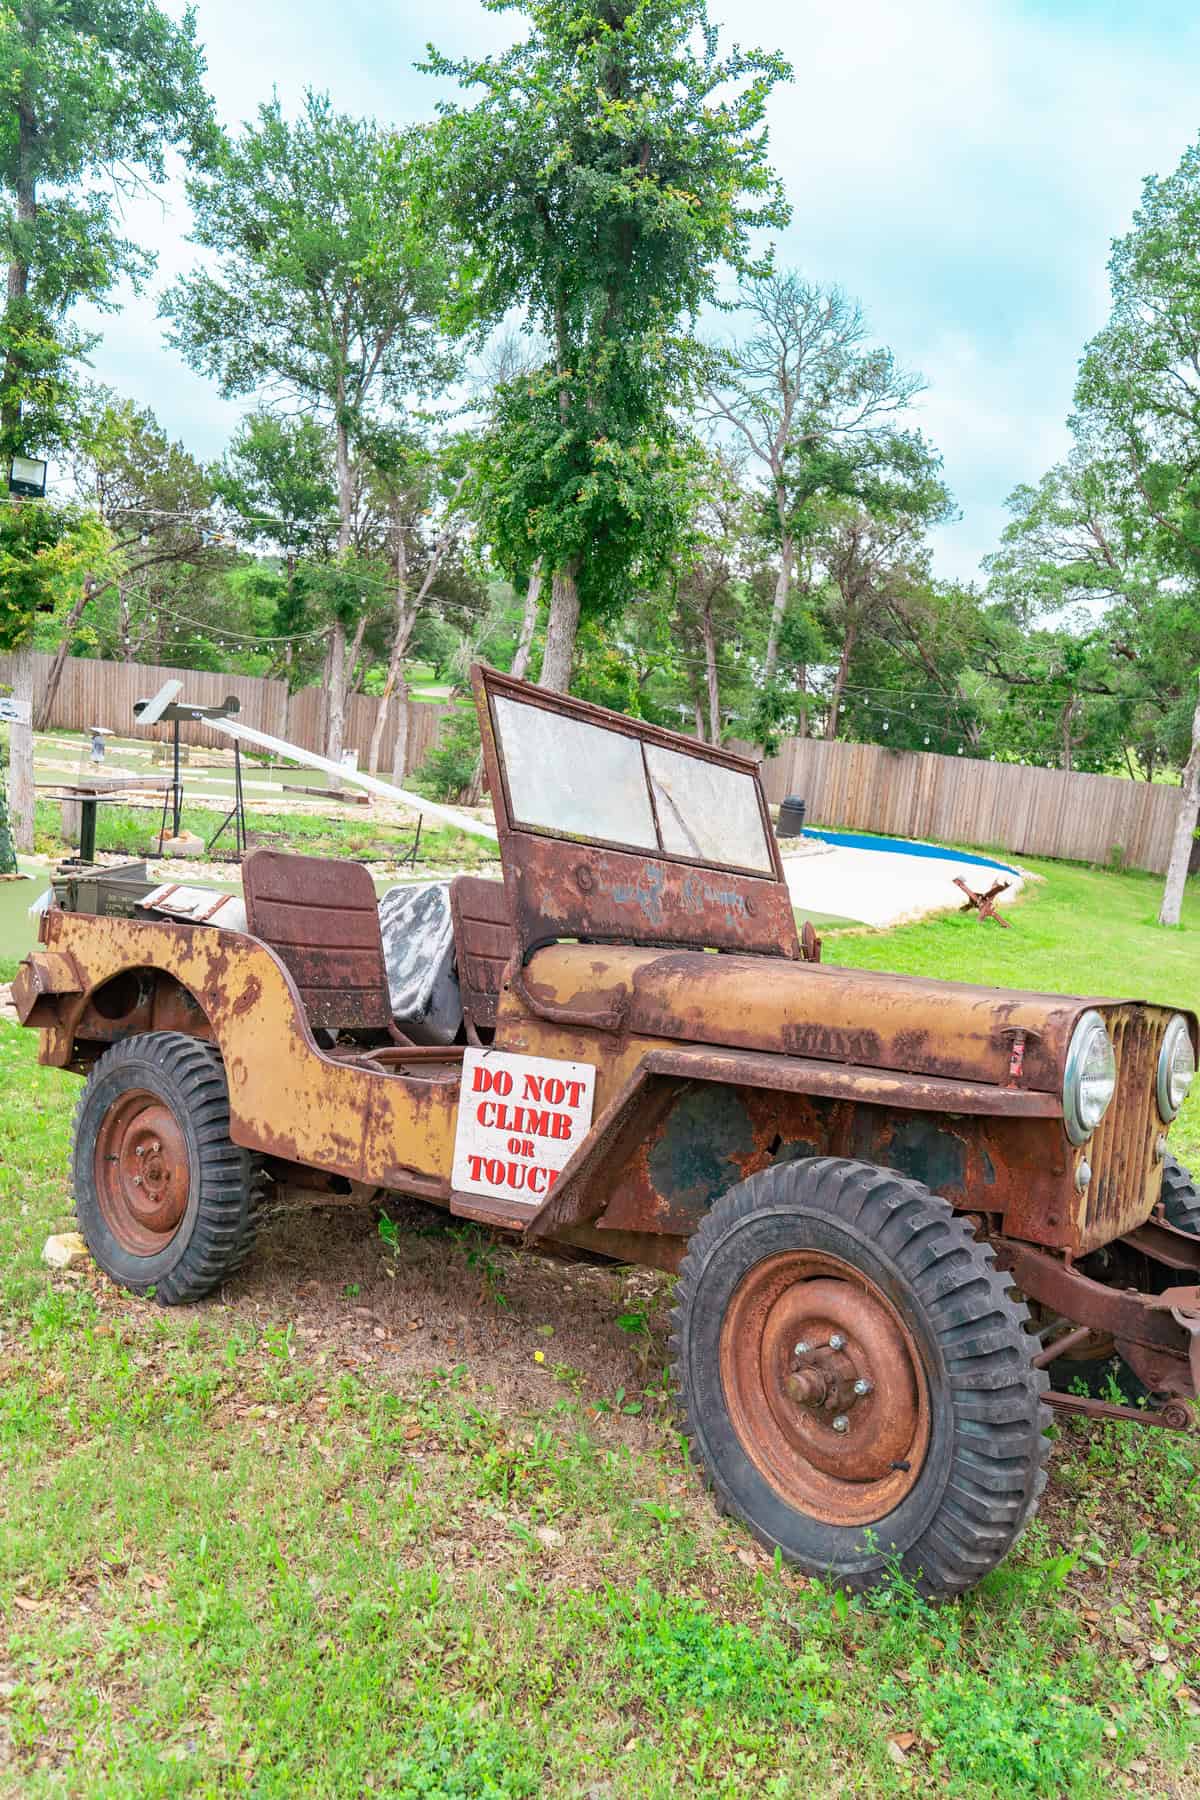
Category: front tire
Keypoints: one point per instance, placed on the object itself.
(165, 1200)
(1180, 1197)
(855, 1381)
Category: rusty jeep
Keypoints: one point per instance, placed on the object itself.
(895, 1208)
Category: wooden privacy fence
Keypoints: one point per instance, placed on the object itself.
(103, 693)
(959, 800)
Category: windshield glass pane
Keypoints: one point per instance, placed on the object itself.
(572, 777)
(708, 812)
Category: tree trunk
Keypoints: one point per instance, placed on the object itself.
(406, 622)
(533, 594)
(561, 628)
(839, 683)
(335, 690)
(20, 750)
(1185, 831)
(783, 584)
(1068, 739)
(710, 676)
(54, 673)
(335, 733)
(699, 715)
(400, 749)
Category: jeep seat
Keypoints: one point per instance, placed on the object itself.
(321, 918)
(484, 935)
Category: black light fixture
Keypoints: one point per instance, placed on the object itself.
(27, 477)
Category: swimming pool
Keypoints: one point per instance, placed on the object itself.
(855, 840)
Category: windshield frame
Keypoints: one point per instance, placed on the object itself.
(496, 685)
(564, 886)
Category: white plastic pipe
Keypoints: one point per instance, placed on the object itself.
(310, 760)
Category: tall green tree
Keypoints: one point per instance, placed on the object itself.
(812, 401)
(613, 162)
(1139, 394)
(715, 592)
(871, 550)
(91, 96)
(325, 295)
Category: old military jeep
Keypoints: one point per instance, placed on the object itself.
(894, 1206)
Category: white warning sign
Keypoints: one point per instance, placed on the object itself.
(520, 1121)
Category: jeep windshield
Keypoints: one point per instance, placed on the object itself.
(572, 777)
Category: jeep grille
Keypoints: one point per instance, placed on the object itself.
(1126, 1175)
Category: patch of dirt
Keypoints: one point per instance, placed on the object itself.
(451, 1293)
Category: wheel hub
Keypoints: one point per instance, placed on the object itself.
(825, 1387)
(142, 1172)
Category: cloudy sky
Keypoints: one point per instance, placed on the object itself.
(959, 165)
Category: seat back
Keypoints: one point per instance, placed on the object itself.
(322, 920)
(483, 937)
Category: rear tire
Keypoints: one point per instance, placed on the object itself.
(822, 1272)
(165, 1200)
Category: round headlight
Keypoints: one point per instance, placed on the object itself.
(1091, 1077)
(1176, 1067)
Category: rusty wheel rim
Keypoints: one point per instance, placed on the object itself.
(142, 1173)
(825, 1388)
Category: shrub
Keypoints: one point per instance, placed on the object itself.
(449, 769)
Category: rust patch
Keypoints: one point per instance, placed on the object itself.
(248, 999)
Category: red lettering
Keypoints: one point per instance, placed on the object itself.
(554, 1091)
(492, 1081)
(485, 1107)
(561, 1127)
(574, 1093)
(475, 1163)
(533, 1088)
(494, 1170)
(536, 1180)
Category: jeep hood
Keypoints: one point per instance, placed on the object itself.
(898, 1022)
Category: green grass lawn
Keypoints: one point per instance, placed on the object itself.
(133, 831)
(403, 1512)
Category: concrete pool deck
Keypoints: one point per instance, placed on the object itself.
(880, 887)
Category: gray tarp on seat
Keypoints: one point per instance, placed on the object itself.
(418, 951)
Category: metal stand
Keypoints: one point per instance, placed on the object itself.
(175, 712)
(174, 794)
(409, 859)
(237, 812)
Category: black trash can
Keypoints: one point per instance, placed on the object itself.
(791, 817)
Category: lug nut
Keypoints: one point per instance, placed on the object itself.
(141, 1150)
(841, 1423)
(837, 1341)
(863, 1386)
(137, 1181)
(802, 1349)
